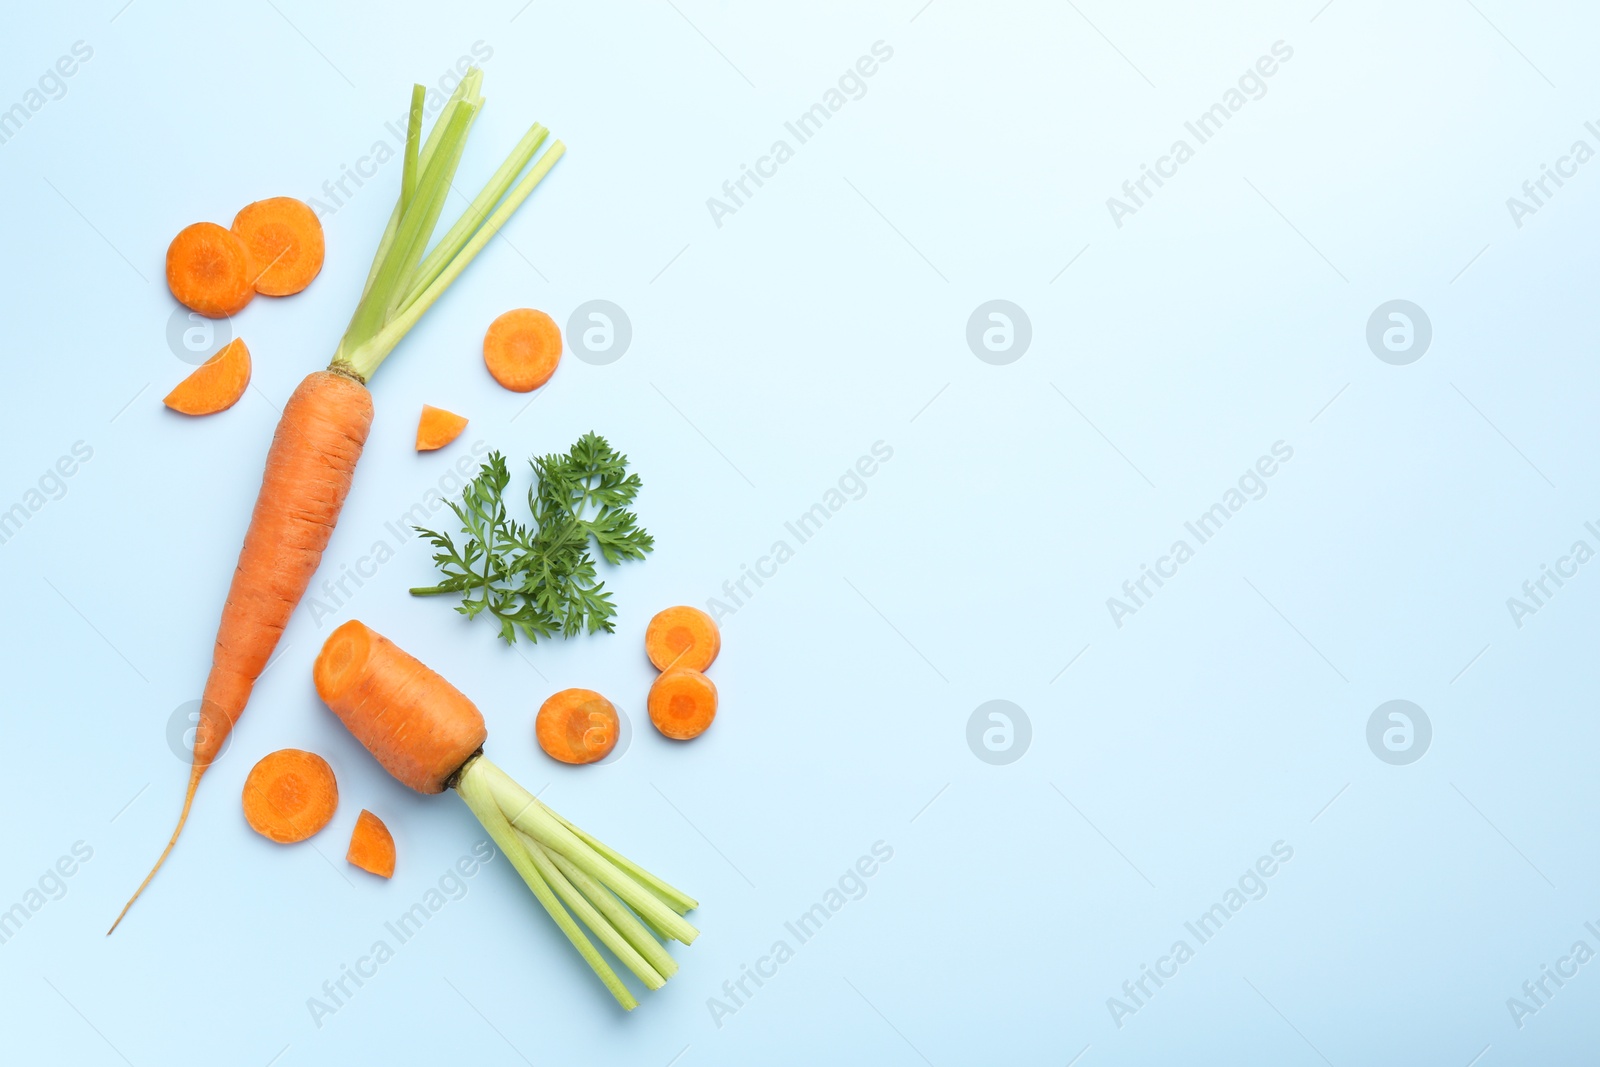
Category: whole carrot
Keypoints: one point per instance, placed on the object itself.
(325, 423)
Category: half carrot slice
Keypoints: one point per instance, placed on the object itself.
(437, 428)
(208, 270)
(215, 385)
(371, 846)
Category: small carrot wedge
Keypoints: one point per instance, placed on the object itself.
(522, 349)
(682, 703)
(682, 637)
(371, 846)
(216, 385)
(289, 795)
(437, 428)
(577, 726)
(284, 240)
(208, 270)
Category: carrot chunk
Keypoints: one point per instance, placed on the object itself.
(371, 846)
(437, 428)
(284, 241)
(215, 385)
(577, 726)
(682, 637)
(290, 795)
(522, 349)
(208, 270)
(682, 703)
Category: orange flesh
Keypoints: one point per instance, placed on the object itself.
(437, 428)
(682, 637)
(522, 349)
(577, 726)
(371, 846)
(683, 703)
(284, 243)
(208, 270)
(290, 795)
(215, 385)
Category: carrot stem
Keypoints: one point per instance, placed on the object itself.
(474, 788)
(408, 177)
(676, 899)
(618, 915)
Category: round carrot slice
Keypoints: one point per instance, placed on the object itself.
(682, 703)
(285, 245)
(577, 726)
(290, 795)
(208, 270)
(371, 846)
(522, 349)
(215, 385)
(682, 637)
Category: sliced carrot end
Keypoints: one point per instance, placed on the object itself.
(215, 385)
(682, 636)
(284, 243)
(577, 726)
(437, 428)
(522, 349)
(289, 795)
(371, 846)
(683, 702)
(208, 270)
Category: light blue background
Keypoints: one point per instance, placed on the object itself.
(768, 354)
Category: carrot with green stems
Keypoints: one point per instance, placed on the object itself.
(426, 733)
(325, 422)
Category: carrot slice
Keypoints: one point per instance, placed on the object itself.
(284, 241)
(437, 428)
(208, 270)
(371, 846)
(215, 385)
(682, 703)
(522, 349)
(682, 637)
(577, 726)
(290, 795)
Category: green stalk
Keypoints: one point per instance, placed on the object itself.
(534, 819)
(365, 358)
(617, 914)
(475, 790)
(676, 899)
(451, 243)
(467, 90)
(580, 906)
(408, 177)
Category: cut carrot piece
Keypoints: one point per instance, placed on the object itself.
(290, 795)
(437, 428)
(682, 637)
(682, 703)
(208, 270)
(215, 385)
(371, 846)
(522, 349)
(577, 726)
(284, 242)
